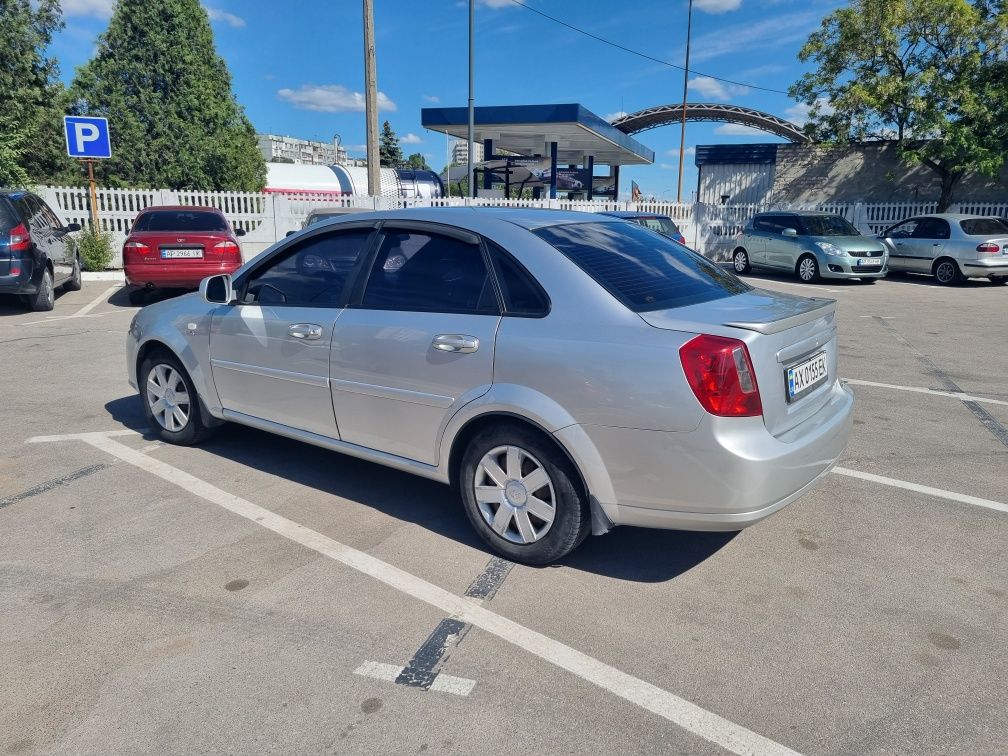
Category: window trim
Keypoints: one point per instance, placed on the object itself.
(498, 278)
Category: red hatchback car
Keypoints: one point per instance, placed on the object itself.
(177, 247)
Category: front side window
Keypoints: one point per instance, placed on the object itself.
(180, 220)
(314, 273)
(825, 225)
(642, 271)
(902, 230)
(426, 272)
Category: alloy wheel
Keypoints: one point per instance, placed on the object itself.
(945, 272)
(807, 269)
(514, 494)
(168, 398)
(740, 261)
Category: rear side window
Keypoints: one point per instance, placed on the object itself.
(8, 218)
(180, 220)
(522, 294)
(983, 227)
(642, 271)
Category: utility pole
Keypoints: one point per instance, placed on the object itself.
(371, 102)
(469, 160)
(685, 85)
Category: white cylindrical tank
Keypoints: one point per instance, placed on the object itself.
(349, 180)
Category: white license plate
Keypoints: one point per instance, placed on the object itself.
(167, 254)
(804, 377)
(869, 261)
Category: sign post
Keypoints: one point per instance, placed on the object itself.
(87, 139)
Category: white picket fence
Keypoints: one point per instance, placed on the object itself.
(266, 218)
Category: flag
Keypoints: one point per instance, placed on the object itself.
(635, 194)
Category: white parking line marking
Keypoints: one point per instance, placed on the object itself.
(460, 686)
(918, 488)
(98, 300)
(56, 318)
(920, 390)
(695, 719)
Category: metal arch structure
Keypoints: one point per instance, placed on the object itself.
(662, 115)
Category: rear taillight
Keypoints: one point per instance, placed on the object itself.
(134, 249)
(989, 248)
(721, 375)
(228, 249)
(20, 239)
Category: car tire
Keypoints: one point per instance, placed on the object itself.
(75, 283)
(999, 280)
(137, 297)
(178, 418)
(946, 272)
(740, 261)
(44, 299)
(807, 269)
(499, 509)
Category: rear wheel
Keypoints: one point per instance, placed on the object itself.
(808, 269)
(170, 401)
(522, 495)
(75, 283)
(44, 299)
(741, 261)
(947, 272)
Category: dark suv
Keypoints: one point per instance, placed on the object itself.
(37, 254)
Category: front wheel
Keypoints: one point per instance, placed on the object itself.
(522, 495)
(808, 269)
(741, 261)
(947, 272)
(170, 401)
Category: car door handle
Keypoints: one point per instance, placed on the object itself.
(455, 342)
(305, 331)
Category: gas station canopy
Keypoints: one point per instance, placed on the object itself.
(530, 130)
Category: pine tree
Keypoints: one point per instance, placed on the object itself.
(173, 119)
(389, 150)
(33, 147)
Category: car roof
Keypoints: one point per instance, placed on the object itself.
(804, 213)
(473, 218)
(14, 193)
(182, 208)
(953, 216)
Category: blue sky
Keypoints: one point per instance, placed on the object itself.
(298, 66)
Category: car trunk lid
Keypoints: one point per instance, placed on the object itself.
(781, 331)
(181, 246)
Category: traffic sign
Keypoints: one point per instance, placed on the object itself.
(87, 137)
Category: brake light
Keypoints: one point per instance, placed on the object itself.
(988, 248)
(134, 248)
(227, 249)
(719, 371)
(20, 239)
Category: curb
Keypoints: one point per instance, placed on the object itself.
(104, 275)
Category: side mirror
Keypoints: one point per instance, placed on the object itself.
(71, 227)
(239, 232)
(290, 233)
(217, 289)
(789, 232)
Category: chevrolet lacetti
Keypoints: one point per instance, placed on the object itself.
(566, 372)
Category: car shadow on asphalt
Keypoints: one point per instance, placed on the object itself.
(633, 554)
(121, 296)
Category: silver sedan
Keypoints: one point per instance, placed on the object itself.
(566, 372)
(950, 247)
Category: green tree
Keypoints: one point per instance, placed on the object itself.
(924, 73)
(174, 121)
(33, 96)
(389, 151)
(417, 162)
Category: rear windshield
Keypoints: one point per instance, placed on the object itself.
(659, 224)
(983, 227)
(825, 225)
(642, 270)
(180, 220)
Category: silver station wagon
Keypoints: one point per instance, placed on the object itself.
(566, 372)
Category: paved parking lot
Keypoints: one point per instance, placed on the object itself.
(258, 594)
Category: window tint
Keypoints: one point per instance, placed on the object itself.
(8, 219)
(825, 225)
(312, 274)
(25, 210)
(761, 224)
(661, 225)
(902, 230)
(642, 271)
(522, 294)
(181, 220)
(430, 273)
(931, 228)
(983, 227)
(50, 217)
(775, 224)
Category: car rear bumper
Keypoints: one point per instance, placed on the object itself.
(23, 283)
(983, 268)
(727, 474)
(175, 275)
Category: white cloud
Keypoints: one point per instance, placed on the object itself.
(713, 89)
(674, 152)
(668, 167)
(718, 6)
(772, 33)
(410, 138)
(99, 8)
(799, 113)
(432, 98)
(330, 98)
(613, 116)
(737, 129)
(495, 3)
(216, 14)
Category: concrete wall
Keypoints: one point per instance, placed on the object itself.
(868, 173)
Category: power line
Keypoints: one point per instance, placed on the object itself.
(640, 54)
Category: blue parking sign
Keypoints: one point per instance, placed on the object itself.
(87, 137)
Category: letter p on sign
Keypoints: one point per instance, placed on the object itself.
(87, 137)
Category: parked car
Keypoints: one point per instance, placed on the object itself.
(320, 214)
(566, 371)
(37, 253)
(811, 245)
(655, 221)
(177, 247)
(950, 247)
